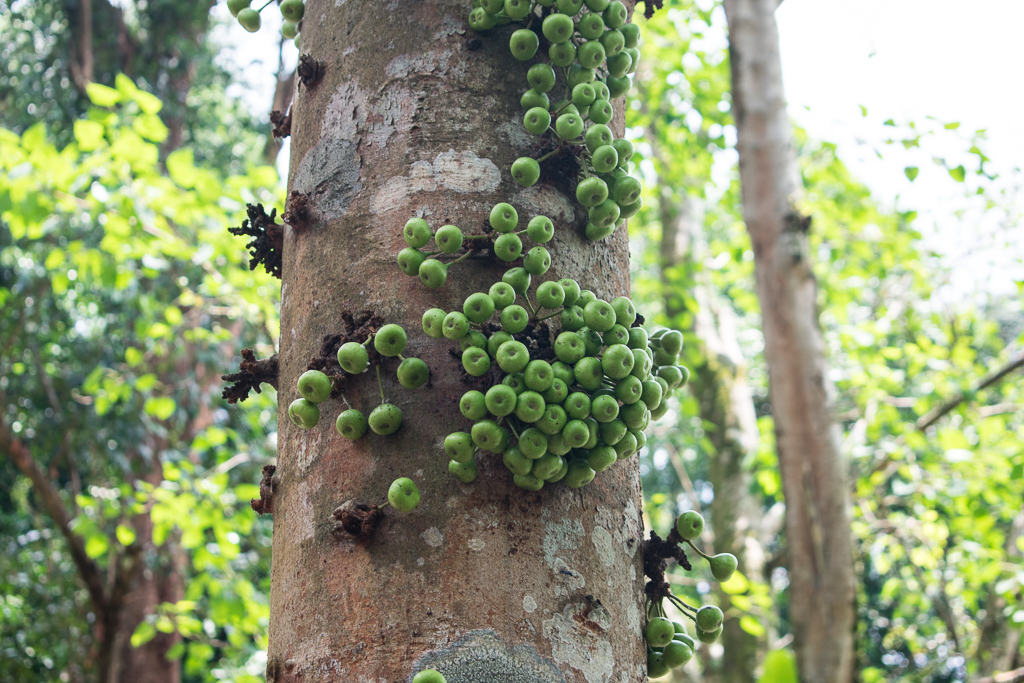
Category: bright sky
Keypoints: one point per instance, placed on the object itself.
(906, 60)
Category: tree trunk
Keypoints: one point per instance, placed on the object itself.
(727, 412)
(414, 114)
(822, 582)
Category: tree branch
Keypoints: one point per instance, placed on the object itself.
(1015, 676)
(936, 414)
(90, 572)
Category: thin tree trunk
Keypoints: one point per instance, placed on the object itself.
(415, 114)
(822, 581)
(727, 414)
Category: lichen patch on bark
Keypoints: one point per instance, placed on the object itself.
(462, 172)
(577, 641)
(482, 657)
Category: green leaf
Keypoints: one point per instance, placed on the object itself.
(181, 168)
(958, 174)
(96, 545)
(101, 95)
(752, 626)
(160, 407)
(952, 126)
(144, 633)
(150, 127)
(125, 535)
(88, 134)
(911, 172)
(132, 356)
(779, 667)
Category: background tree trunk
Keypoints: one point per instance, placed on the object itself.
(822, 582)
(417, 115)
(720, 386)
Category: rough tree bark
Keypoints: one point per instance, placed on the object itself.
(719, 383)
(414, 114)
(822, 581)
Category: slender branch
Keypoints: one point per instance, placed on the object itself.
(1014, 676)
(91, 574)
(936, 414)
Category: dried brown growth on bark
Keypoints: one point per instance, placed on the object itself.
(357, 327)
(267, 245)
(265, 504)
(252, 373)
(309, 70)
(657, 553)
(357, 520)
(282, 123)
(296, 212)
(650, 6)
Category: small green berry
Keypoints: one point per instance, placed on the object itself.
(385, 419)
(517, 9)
(523, 44)
(690, 525)
(478, 307)
(514, 319)
(314, 386)
(429, 676)
(475, 361)
(390, 340)
(433, 322)
(502, 295)
(472, 405)
(449, 239)
(463, 471)
(579, 475)
(304, 414)
(531, 98)
(723, 565)
(481, 20)
(236, 6)
(526, 171)
(709, 618)
(409, 260)
(353, 358)
(433, 273)
(508, 247)
(613, 43)
(504, 218)
(615, 15)
(558, 28)
(351, 424)
(604, 159)
(513, 356)
(403, 494)
(591, 192)
(518, 278)
(541, 77)
(289, 29)
(550, 294)
(601, 111)
(540, 229)
(292, 10)
(413, 373)
(416, 232)
(249, 19)
(537, 120)
(659, 632)
(591, 54)
(459, 446)
(500, 400)
(591, 26)
(630, 34)
(569, 126)
(598, 136)
(709, 637)
(562, 54)
(537, 261)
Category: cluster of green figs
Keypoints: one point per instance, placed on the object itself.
(505, 238)
(562, 411)
(593, 49)
(249, 18)
(668, 644)
(315, 387)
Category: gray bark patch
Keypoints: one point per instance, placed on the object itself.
(481, 657)
(330, 172)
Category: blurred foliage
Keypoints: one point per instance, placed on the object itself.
(938, 517)
(162, 45)
(124, 298)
